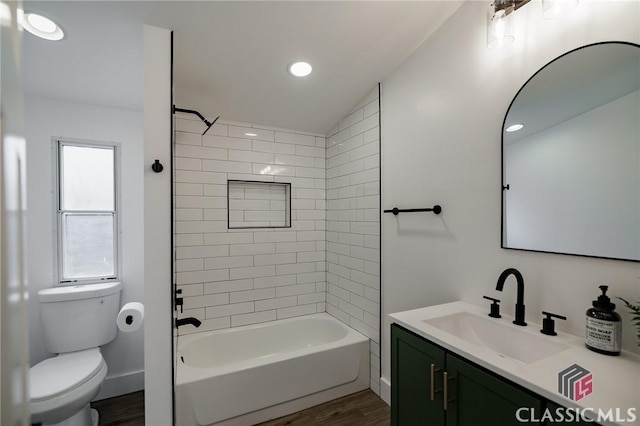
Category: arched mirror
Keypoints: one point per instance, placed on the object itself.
(571, 156)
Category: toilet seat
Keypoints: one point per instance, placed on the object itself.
(63, 373)
(62, 385)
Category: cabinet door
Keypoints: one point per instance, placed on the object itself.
(478, 398)
(411, 360)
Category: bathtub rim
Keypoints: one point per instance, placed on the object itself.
(186, 374)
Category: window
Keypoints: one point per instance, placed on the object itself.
(87, 212)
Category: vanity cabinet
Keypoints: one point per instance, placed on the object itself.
(412, 377)
(432, 386)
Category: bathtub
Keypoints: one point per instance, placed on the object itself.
(246, 375)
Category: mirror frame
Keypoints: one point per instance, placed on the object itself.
(502, 159)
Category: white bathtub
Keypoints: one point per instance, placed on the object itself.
(245, 375)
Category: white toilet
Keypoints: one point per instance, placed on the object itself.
(77, 320)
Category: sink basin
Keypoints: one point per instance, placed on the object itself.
(504, 339)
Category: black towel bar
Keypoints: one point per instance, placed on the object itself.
(436, 209)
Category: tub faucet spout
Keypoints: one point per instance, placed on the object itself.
(520, 295)
(189, 320)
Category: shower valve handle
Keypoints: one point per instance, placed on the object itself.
(179, 300)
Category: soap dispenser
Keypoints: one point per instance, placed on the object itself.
(604, 326)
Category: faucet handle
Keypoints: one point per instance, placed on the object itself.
(495, 307)
(548, 324)
(179, 301)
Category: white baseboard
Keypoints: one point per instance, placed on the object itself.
(385, 390)
(121, 385)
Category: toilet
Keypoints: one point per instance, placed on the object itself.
(77, 320)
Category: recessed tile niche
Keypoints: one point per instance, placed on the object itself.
(254, 204)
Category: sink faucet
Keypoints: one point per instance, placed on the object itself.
(189, 320)
(520, 298)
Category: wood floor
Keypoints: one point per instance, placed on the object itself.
(125, 410)
(360, 409)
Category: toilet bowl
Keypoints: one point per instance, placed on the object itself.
(77, 320)
(63, 386)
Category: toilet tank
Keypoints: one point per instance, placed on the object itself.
(79, 317)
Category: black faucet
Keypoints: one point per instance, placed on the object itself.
(520, 298)
(188, 320)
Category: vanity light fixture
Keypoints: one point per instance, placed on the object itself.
(299, 69)
(499, 32)
(514, 127)
(42, 27)
(251, 134)
(552, 9)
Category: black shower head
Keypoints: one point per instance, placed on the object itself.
(209, 124)
(200, 116)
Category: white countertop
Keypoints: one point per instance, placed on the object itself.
(616, 379)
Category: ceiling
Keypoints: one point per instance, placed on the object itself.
(230, 57)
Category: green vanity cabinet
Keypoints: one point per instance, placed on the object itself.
(474, 396)
(411, 376)
(479, 398)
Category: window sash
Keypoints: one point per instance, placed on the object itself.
(60, 179)
(66, 263)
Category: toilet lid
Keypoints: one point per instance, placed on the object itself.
(62, 373)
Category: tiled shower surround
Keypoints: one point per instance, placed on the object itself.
(233, 277)
(353, 224)
(328, 261)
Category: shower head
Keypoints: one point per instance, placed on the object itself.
(200, 116)
(209, 124)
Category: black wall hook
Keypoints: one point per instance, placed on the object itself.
(157, 167)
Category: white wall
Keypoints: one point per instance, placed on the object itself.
(576, 169)
(157, 227)
(442, 113)
(46, 119)
(235, 277)
(353, 224)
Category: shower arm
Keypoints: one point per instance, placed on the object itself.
(191, 111)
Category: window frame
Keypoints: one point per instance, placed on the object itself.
(60, 214)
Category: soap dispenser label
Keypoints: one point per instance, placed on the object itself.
(604, 335)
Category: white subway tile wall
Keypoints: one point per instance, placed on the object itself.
(234, 277)
(329, 260)
(353, 224)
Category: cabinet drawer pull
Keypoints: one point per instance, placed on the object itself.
(434, 370)
(445, 386)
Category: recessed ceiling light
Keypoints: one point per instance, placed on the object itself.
(251, 134)
(514, 127)
(42, 27)
(299, 69)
